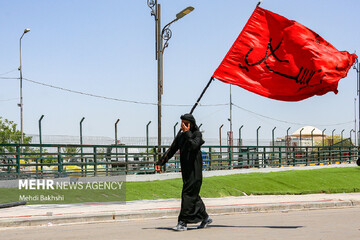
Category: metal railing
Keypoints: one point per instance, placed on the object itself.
(56, 160)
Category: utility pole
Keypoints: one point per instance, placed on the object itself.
(21, 92)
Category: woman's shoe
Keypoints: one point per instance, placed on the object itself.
(205, 223)
(181, 226)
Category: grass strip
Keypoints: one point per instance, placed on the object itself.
(332, 180)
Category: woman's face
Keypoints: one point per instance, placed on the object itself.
(186, 123)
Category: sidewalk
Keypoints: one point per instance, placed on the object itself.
(49, 214)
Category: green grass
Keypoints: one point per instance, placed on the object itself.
(334, 180)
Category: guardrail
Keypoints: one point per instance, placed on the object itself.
(57, 160)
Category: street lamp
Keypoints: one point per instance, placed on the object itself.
(160, 35)
(21, 95)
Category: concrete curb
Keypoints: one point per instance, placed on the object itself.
(173, 212)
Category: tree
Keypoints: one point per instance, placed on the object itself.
(71, 153)
(329, 141)
(9, 134)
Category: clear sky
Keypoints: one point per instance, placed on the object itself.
(107, 48)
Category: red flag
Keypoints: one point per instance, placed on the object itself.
(282, 59)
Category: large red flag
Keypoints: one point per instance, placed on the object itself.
(282, 59)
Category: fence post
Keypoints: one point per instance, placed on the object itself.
(95, 161)
(147, 139)
(126, 160)
(18, 152)
(307, 156)
(273, 146)
(257, 147)
(40, 140)
(116, 140)
(230, 157)
(59, 161)
(280, 156)
(210, 158)
(164, 150)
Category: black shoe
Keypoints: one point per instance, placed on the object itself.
(205, 223)
(181, 226)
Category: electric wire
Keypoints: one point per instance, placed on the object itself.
(167, 105)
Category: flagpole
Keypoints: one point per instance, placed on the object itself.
(201, 95)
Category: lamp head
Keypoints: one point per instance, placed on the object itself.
(184, 12)
(26, 30)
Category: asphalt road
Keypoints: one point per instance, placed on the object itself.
(308, 224)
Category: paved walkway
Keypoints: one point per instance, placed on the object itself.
(213, 173)
(49, 214)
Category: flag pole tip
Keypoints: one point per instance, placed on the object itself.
(260, 1)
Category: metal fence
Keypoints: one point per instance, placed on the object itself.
(56, 160)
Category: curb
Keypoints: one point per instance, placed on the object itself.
(173, 212)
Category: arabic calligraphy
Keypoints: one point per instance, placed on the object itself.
(303, 77)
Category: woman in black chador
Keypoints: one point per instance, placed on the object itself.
(189, 141)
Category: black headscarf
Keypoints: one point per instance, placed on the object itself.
(189, 117)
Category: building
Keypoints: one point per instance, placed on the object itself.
(304, 136)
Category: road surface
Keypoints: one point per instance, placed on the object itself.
(326, 224)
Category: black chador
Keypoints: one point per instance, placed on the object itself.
(189, 143)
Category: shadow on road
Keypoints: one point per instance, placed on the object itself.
(230, 226)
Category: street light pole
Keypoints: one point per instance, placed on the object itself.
(21, 92)
(165, 34)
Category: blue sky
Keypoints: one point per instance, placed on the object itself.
(107, 48)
